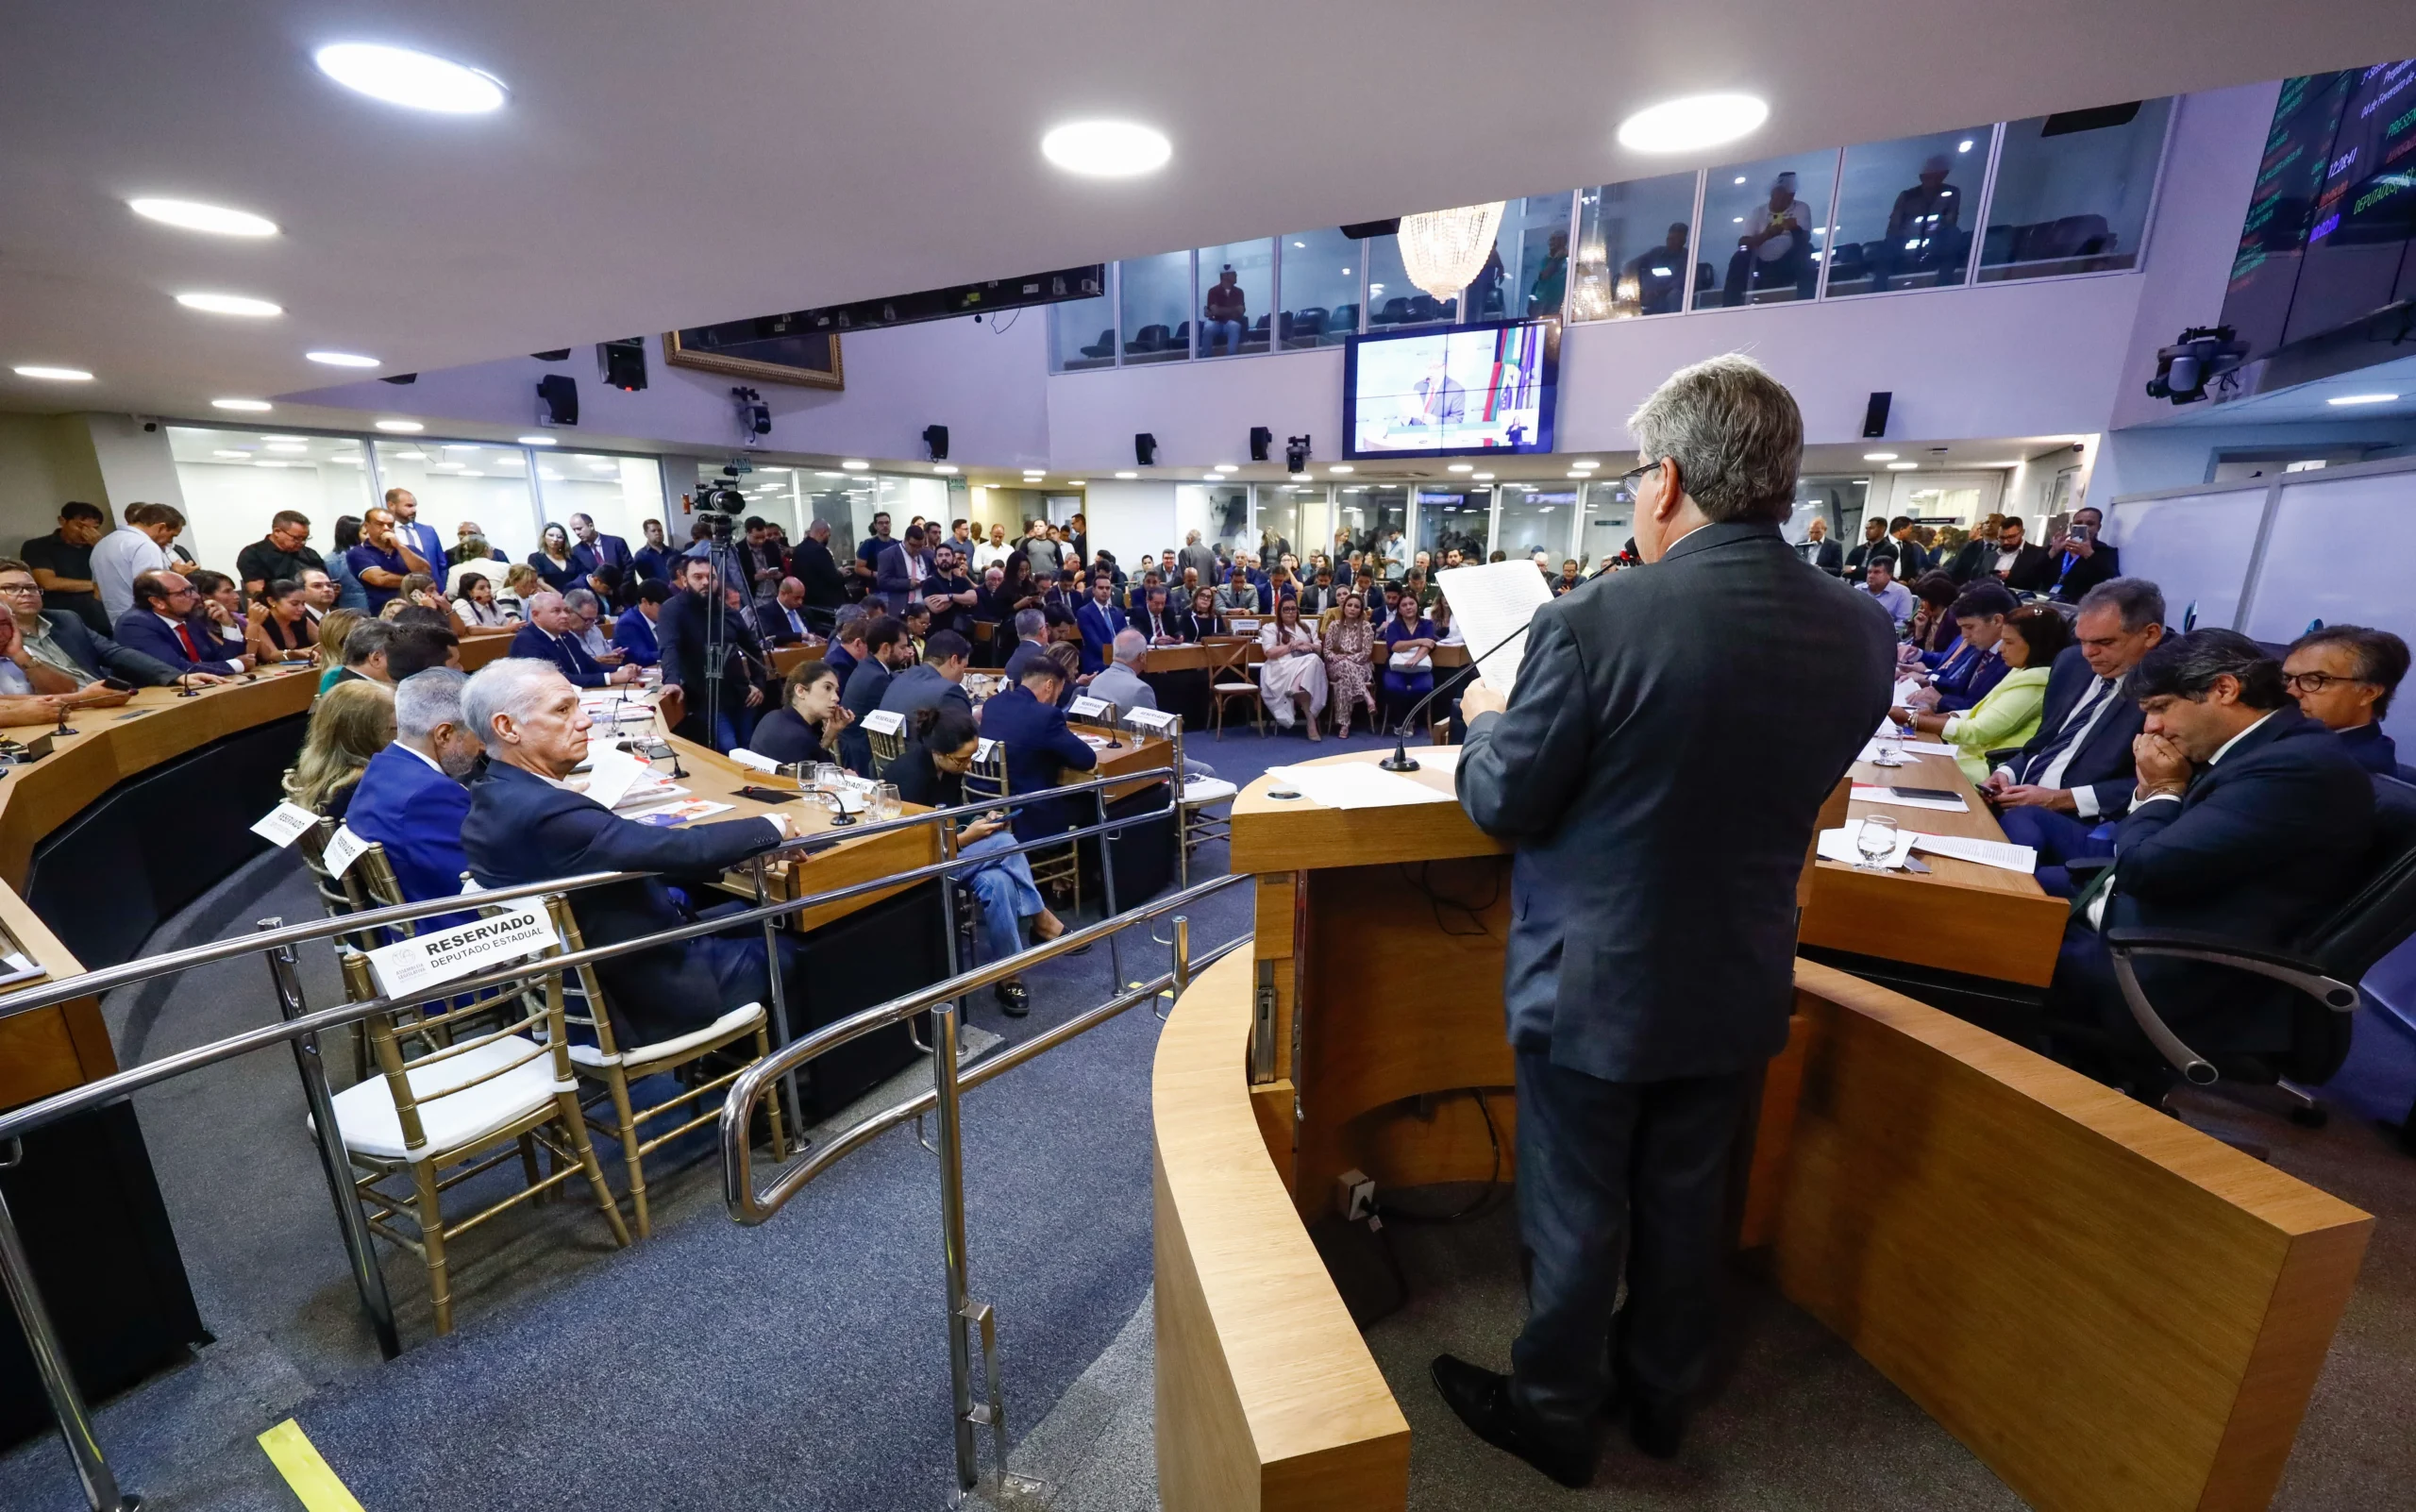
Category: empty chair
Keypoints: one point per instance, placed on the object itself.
(1229, 677)
(1104, 346)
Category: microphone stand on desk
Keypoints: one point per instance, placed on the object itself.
(1400, 760)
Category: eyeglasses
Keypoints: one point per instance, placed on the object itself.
(2314, 682)
(33, 588)
(1635, 474)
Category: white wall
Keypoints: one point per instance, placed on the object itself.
(1131, 519)
(135, 463)
(44, 461)
(228, 506)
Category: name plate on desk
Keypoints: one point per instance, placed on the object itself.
(427, 960)
(884, 722)
(1156, 721)
(284, 824)
(1086, 708)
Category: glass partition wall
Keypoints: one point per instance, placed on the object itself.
(2056, 195)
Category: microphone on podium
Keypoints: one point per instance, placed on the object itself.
(1400, 760)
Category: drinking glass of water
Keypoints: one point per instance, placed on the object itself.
(1876, 843)
(884, 803)
(1891, 748)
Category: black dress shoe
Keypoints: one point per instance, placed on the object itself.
(1481, 1397)
(1657, 1425)
(1015, 998)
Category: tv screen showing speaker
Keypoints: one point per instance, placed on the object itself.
(1454, 391)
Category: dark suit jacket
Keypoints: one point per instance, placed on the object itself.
(103, 657)
(1660, 829)
(896, 574)
(521, 829)
(1174, 622)
(608, 551)
(1099, 627)
(921, 687)
(2372, 749)
(139, 630)
(1828, 556)
(2084, 572)
(564, 652)
(634, 634)
(861, 694)
(1912, 560)
(1864, 553)
(772, 624)
(1038, 747)
(415, 811)
(680, 634)
(2265, 844)
(2103, 761)
(825, 588)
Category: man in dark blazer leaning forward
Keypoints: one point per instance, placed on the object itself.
(525, 825)
(1660, 837)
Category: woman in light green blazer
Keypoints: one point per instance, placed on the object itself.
(2008, 717)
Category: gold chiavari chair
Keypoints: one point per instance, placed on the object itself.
(886, 748)
(457, 1111)
(1229, 677)
(1054, 869)
(613, 1066)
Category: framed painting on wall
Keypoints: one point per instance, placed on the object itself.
(768, 350)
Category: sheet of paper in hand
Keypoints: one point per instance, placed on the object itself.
(1491, 601)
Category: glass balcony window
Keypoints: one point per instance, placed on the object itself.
(1236, 299)
(1635, 252)
(1082, 333)
(1155, 295)
(1764, 228)
(2073, 190)
(1906, 211)
(1321, 277)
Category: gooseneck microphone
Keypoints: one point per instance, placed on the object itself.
(1400, 760)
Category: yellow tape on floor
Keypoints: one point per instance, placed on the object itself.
(297, 1459)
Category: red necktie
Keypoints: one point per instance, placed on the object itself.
(184, 633)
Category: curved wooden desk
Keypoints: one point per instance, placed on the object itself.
(2108, 1308)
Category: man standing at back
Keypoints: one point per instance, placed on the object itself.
(1650, 964)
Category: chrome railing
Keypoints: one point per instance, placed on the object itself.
(949, 1082)
(299, 1025)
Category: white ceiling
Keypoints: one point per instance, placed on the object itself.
(663, 165)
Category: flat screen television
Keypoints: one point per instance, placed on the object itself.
(1451, 391)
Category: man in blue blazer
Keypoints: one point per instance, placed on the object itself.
(633, 632)
(411, 799)
(1099, 619)
(547, 637)
(886, 649)
(900, 569)
(1026, 720)
(592, 551)
(416, 533)
(2250, 824)
(2059, 792)
(525, 825)
(156, 626)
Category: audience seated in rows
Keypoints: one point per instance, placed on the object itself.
(64, 642)
(885, 651)
(936, 680)
(2028, 642)
(552, 635)
(160, 627)
(1040, 749)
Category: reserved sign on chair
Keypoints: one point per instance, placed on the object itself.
(426, 960)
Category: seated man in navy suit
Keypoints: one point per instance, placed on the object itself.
(2060, 793)
(549, 636)
(1040, 749)
(410, 798)
(2344, 676)
(525, 825)
(156, 626)
(2249, 823)
(1099, 619)
(633, 632)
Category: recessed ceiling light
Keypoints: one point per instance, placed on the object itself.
(772, 472)
(1461, 467)
(829, 475)
(1106, 149)
(1878, 456)
(189, 216)
(539, 441)
(407, 456)
(1482, 478)
(2344, 399)
(226, 304)
(1342, 469)
(1585, 461)
(1740, 179)
(238, 456)
(1128, 477)
(268, 462)
(1075, 482)
(1575, 474)
(854, 465)
(1901, 467)
(1226, 468)
(55, 374)
(342, 359)
(422, 81)
(248, 406)
(401, 427)
(1965, 145)
(294, 447)
(1691, 122)
(945, 469)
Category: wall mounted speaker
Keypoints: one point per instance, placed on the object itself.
(1262, 441)
(560, 354)
(1144, 449)
(936, 437)
(1874, 416)
(558, 400)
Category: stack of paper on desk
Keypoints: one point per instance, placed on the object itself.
(1355, 785)
(1491, 601)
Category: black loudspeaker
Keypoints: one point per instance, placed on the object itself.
(560, 354)
(1262, 441)
(1144, 449)
(936, 437)
(623, 362)
(1874, 416)
(560, 396)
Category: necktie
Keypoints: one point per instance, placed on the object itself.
(2070, 729)
(184, 633)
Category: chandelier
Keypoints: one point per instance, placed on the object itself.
(1442, 251)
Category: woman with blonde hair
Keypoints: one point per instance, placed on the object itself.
(353, 722)
(333, 628)
(520, 584)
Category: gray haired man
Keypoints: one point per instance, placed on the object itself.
(1649, 975)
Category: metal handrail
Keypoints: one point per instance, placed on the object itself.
(750, 1207)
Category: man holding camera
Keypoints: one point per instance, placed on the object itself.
(2080, 560)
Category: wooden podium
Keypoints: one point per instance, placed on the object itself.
(2109, 1309)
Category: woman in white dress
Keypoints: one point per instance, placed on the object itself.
(1292, 681)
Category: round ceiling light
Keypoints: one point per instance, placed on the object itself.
(1692, 123)
(1106, 149)
(191, 215)
(420, 81)
(401, 427)
(248, 406)
(342, 359)
(55, 374)
(224, 304)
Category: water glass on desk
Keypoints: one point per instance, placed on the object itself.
(884, 803)
(1891, 748)
(1875, 841)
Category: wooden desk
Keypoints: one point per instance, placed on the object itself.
(2111, 1310)
(1137, 752)
(480, 646)
(787, 659)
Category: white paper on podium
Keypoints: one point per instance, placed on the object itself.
(1489, 601)
(1356, 785)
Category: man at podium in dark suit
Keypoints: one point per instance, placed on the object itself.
(1649, 964)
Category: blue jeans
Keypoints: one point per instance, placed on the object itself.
(2057, 838)
(1212, 332)
(1006, 891)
